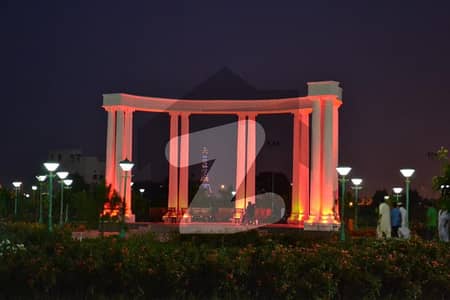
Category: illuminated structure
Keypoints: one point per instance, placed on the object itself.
(204, 181)
(314, 187)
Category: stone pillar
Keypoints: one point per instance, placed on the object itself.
(110, 165)
(304, 166)
(296, 144)
(251, 159)
(173, 161)
(120, 124)
(336, 149)
(329, 169)
(316, 161)
(325, 97)
(240, 162)
(128, 154)
(300, 167)
(184, 162)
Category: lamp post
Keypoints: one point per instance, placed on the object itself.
(41, 179)
(407, 173)
(51, 168)
(126, 167)
(17, 185)
(61, 176)
(444, 191)
(141, 190)
(356, 186)
(33, 198)
(397, 191)
(67, 184)
(343, 171)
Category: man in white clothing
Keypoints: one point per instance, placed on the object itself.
(384, 221)
(403, 231)
(443, 220)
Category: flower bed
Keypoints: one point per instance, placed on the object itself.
(242, 266)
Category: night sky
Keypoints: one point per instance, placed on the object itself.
(392, 59)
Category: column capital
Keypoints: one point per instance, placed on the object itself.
(302, 112)
(109, 108)
(119, 108)
(174, 113)
(185, 114)
(252, 115)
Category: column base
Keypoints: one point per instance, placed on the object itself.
(296, 218)
(317, 226)
(131, 218)
(325, 223)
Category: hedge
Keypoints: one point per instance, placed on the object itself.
(240, 266)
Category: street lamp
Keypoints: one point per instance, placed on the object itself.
(356, 186)
(33, 199)
(407, 173)
(141, 190)
(51, 167)
(444, 190)
(17, 185)
(67, 183)
(126, 167)
(41, 179)
(397, 191)
(343, 171)
(61, 176)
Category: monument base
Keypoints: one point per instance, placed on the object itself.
(130, 218)
(315, 226)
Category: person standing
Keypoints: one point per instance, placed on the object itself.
(443, 220)
(396, 220)
(384, 221)
(403, 231)
(431, 221)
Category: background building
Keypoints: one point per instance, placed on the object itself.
(90, 168)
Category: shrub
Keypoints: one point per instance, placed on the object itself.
(244, 266)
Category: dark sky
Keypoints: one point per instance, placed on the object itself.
(392, 59)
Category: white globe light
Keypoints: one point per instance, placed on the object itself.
(62, 175)
(356, 181)
(68, 182)
(131, 183)
(51, 166)
(141, 190)
(386, 197)
(41, 178)
(34, 188)
(126, 165)
(407, 172)
(233, 193)
(397, 190)
(17, 184)
(343, 171)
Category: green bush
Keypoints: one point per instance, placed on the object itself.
(249, 265)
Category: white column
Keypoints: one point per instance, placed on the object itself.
(120, 116)
(240, 162)
(316, 160)
(173, 162)
(296, 144)
(110, 165)
(304, 165)
(336, 149)
(329, 170)
(251, 159)
(184, 162)
(128, 154)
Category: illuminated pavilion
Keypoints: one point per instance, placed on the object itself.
(315, 146)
